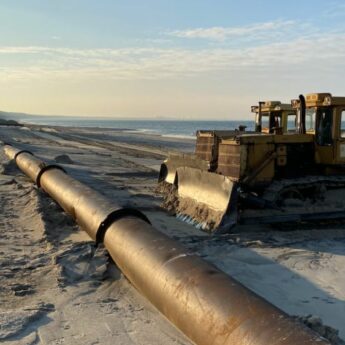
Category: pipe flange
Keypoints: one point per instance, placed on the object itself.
(116, 215)
(44, 169)
(20, 152)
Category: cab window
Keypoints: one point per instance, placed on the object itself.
(342, 124)
(265, 121)
(324, 121)
(310, 119)
(291, 122)
(276, 121)
(269, 121)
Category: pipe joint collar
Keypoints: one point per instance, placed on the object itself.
(20, 152)
(46, 168)
(116, 215)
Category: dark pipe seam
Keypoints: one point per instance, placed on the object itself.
(116, 215)
(20, 152)
(210, 307)
(44, 169)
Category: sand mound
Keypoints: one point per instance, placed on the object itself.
(63, 159)
(81, 262)
(9, 168)
(170, 197)
(315, 323)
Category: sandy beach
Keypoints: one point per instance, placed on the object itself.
(56, 287)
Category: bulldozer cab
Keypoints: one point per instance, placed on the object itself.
(274, 117)
(325, 118)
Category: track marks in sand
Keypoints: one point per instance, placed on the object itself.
(14, 323)
(58, 288)
(25, 257)
(38, 258)
(25, 266)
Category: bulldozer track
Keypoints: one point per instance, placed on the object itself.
(308, 212)
(276, 187)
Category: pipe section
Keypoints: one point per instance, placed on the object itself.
(207, 305)
(203, 302)
(91, 210)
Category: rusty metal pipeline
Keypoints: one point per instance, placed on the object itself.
(208, 306)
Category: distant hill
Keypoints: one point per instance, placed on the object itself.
(5, 122)
(10, 119)
(19, 118)
(14, 116)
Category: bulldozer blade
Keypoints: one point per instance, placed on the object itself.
(206, 199)
(174, 161)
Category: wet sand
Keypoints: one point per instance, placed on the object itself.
(57, 288)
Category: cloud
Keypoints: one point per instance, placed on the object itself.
(317, 53)
(266, 30)
(280, 44)
(334, 9)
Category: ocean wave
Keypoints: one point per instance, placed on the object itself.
(178, 136)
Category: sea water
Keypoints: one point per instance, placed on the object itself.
(171, 128)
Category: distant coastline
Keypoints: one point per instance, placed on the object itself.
(168, 128)
(177, 128)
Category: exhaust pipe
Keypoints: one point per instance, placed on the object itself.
(258, 124)
(301, 127)
(207, 305)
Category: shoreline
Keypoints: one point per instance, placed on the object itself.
(179, 128)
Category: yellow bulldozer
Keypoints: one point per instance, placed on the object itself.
(274, 117)
(270, 117)
(278, 173)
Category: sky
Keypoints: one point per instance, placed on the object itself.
(176, 59)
